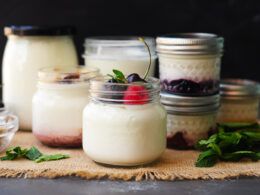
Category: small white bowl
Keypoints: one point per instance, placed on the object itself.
(8, 126)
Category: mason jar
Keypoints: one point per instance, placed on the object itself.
(239, 101)
(124, 53)
(189, 63)
(124, 124)
(189, 119)
(58, 105)
(29, 48)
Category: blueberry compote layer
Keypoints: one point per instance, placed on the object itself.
(189, 87)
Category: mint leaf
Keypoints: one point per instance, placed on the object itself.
(13, 153)
(207, 159)
(33, 153)
(236, 156)
(51, 157)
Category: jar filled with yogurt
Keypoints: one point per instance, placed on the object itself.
(124, 124)
(189, 63)
(58, 105)
(239, 101)
(126, 53)
(189, 119)
(28, 49)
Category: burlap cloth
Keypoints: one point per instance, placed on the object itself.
(172, 165)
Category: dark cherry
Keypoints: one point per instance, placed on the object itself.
(134, 78)
(177, 142)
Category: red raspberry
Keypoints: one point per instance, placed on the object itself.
(136, 94)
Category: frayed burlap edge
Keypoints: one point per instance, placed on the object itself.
(137, 176)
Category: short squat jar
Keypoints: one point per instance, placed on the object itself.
(58, 105)
(189, 63)
(239, 101)
(126, 53)
(124, 124)
(189, 119)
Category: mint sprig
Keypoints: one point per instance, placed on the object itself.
(118, 76)
(232, 142)
(32, 154)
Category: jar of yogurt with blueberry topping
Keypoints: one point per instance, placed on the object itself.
(189, 63)
(189, 119)
(125, 53)
(124, 124)
(58, 105)
(239, 101)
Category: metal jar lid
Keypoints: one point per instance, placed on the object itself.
(190, 105)
(190, 43)
(239, 88)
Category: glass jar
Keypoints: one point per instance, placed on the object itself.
(126, 54)
(124, 124)
(189, 119)
(58, 105)
(189, 63)
(29, 48)
(239, 101)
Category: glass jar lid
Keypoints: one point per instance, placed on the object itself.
(66, 75)
(190, 43)
(39, 30)
(111, 46)
(239, 88)
(190, 105)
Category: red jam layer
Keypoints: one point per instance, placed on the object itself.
(181, 140)
(60, 140)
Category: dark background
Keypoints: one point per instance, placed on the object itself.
(238, 21)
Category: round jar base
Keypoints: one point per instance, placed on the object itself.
(60, 140)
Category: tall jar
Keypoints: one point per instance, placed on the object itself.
(239, 101)
(124, 124)
(58, 105)
(29, 48)
(189, 119)
(126, 54)
(189, 63)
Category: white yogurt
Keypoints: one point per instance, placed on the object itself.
(57, 110)
(23, 56)
(126, 54)
(124, 135)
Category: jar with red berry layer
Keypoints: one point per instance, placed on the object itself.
(189, 119)
(239, 101)
(189, 63)
(124, 124)
(58, 104)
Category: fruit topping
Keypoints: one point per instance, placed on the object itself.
(184, 86)
(134, 78)
(72, 76)
(136, 94)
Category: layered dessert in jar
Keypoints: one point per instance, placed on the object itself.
(124, 53)
(239, 101)
(28, 49)
(189, 119)
(189, 63)
(124, 124)
(58, 105)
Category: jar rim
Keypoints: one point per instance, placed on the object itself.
(65, 75)
(190, 104)
(190, 43)
(102, 90)
(232, 87)
(118, 41)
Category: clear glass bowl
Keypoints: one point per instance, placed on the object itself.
(8, 127)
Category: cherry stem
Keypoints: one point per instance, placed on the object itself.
(150, 56)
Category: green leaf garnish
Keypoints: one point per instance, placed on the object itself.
(32, 154)
(118, 76)
(51, 157)
(232, 142)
